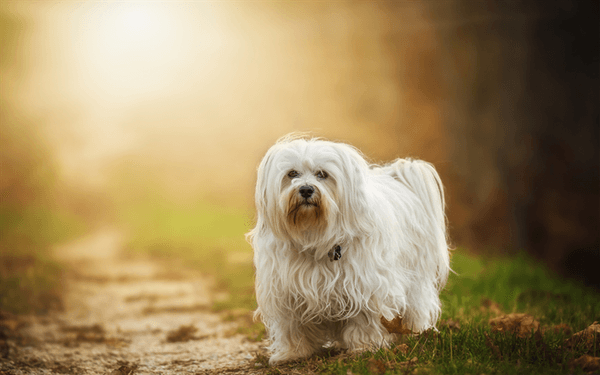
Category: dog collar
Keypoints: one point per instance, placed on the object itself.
(335, 253)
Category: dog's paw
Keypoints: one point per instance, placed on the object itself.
(282, 357)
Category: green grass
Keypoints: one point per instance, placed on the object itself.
(517, 285)
(473, 349)
(211, 239)
(30, 279)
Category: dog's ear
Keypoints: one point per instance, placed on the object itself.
(352, 191)
(268, 191)
(264, 193)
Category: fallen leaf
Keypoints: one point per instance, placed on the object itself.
(588, 337)
(395, 326)
(520, 324)
(402, 348)
(587, 363)
(376, 366)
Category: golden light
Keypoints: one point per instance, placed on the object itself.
(130, 51)
(184, 83)
(136, 22)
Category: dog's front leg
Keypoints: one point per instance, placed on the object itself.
(291, 341)
(362, 332)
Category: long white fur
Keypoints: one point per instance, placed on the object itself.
(390, 224)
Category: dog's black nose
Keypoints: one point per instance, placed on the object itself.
(306, 191)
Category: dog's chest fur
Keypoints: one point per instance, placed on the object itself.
(322, 290)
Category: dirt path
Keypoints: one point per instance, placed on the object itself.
(127, 316)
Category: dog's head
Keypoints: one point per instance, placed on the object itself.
(311, 190)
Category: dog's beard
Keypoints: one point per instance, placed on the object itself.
(305, 214)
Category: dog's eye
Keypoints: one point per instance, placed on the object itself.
(322, 175)
(293, 174)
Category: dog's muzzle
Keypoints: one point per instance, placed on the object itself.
(306, 191)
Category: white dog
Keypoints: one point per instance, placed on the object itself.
(342, 247)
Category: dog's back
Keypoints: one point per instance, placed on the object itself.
(423, 180)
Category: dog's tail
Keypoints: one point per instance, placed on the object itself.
(423, 180)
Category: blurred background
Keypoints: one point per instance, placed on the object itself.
(152, 117)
